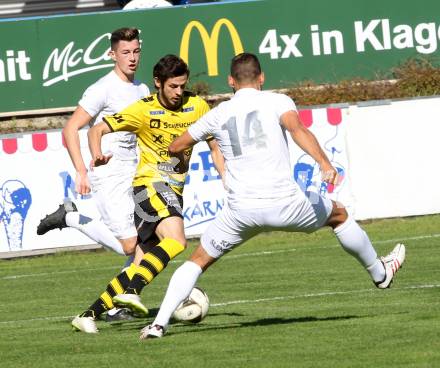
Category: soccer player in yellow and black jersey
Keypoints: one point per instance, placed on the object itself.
(158, 183)
(156, 127)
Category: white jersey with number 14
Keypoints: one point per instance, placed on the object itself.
(254, 144)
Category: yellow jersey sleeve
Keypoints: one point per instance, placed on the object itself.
(130, 119)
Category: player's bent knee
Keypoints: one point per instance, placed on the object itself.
(128, 245)
(202, 258)
(128, 250)
(172, 227)
(338, 216)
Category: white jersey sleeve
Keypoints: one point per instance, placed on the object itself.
(283, 104)
(204, 127)
(93, 100)
(107, 96)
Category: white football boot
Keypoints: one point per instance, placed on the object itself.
(84, 324)
(132, 302)
(152, 332)
(392, 263)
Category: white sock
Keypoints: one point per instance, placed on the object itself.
(356, 242)
(95, 230)
(180, 286)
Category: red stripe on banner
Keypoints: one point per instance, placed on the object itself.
(334, 116)
(306, 117)
(39, 141)
(9, 145)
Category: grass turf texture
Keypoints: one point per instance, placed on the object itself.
(280, 300)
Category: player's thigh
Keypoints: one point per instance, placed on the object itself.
(158, 211)
(228, 230)
(306, 212)
(113, 196)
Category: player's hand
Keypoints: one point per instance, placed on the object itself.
(329, 174)
(100, 160)
(82, 184)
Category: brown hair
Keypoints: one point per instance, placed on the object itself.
(170, 66)
(123, 34)
(245, 67)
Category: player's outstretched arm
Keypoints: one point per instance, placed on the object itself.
(306, 140)
(181, 143)
(79, 119)
(95, 134)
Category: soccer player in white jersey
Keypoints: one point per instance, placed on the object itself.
(111, 184)
(251, 132)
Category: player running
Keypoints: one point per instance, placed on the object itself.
(111, 185)
(251, 132)
(158, 183)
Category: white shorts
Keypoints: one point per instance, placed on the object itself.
(232, 227)
(113, 194)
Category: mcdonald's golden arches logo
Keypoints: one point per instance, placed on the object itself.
(210, 42)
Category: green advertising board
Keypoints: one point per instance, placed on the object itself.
(48, 62)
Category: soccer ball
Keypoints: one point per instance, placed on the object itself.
(194, 308)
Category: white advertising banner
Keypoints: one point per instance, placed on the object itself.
(36, 175)
(387, 158)
(394, 153)
(203, 195)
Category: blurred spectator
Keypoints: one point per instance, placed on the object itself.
(122, 3)
(143, 4)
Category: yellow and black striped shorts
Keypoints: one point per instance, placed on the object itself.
(153, 203)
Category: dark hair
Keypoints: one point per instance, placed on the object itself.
(123, 34)
(245, 67)
(170, 66)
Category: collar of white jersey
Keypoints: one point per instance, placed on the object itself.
(246, 92)
(115, 76)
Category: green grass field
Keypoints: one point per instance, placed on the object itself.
(280, 300)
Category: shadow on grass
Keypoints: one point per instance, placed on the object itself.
(139, 323)
(258, 323)
(281, 321)
(273, 321)
(179, 328)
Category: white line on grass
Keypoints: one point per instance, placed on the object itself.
(314, 295)
(420, 237)
(234, 256)
(254, 254)
(253, 301)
